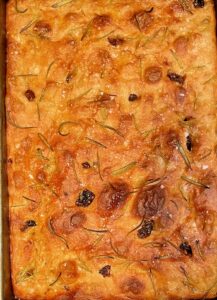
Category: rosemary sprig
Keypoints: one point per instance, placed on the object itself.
(52, 231)
(61, 3)
(137, 227)
(27, 26)
(110, 128)
(99, 165)
(87, 30)
(183, 154)
(56, 279)
(124, 169)
(80, 96)
(95, 142)
(62, 125)
(14, 124)
(18, 9)
(194, 182)
(96, 230)
(197, 243)
(45, 141)
(28, 199)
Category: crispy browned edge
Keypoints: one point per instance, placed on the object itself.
(6, 290)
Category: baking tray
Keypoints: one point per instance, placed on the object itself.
(6, 292)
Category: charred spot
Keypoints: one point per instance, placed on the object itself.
(189, 143)
(133, 97)
(115, 41)
(186, 249)
(105, 271)
(101, 21)
(42, 28)
(112, 197)
(86, 165)
(68, 222)
(30, 95)
(153, 75)
(188, 118)
(146, 229)
(28, 224)
(199, 3)
(69, 77)
(176, 77)
(150, 202)
(10, 160)
(180, 94)
(86, 197)
(132, 285)
(69, 271)
(142, 19)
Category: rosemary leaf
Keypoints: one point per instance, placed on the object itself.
(95, 142)
(27, 26)
(62, 125)
(184, 155)
(96, 230)
(55, 279)
(61, 3)
(124, 169)
(28, 199)
(137, 227)
(52, 231)
(99, 165)
(45, 141)
(195, 182)
(110, 128)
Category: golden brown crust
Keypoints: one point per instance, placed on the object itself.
(111, 136)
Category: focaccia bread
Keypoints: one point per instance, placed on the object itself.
(111, 134)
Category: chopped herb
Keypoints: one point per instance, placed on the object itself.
(194, 182)
(183, 154)
(176, 58)
(150, 274)
(105, 35)
(186, 249)
(105, 271)
(45, 141)
(176, 77)
(151, 182)
(86, 197)
(124, 169)
(55, 279)
(96, 142)
(18, 9)
(61, 3)
(80, 96)
(52, 231)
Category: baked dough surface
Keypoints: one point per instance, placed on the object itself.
(111, 134)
